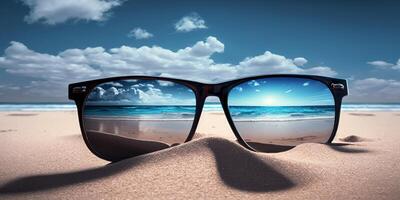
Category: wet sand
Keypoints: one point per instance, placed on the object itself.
(289, 132)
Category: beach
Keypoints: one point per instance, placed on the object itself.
(43, 156)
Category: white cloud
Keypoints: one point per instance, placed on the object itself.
(58, 11)
(114, 84)
(380, 64)
(253, 83)
(190, 22)
(139, 33)
(154, 95)
(288, 91)
(49, 74)
(385, 65)
(269, 63)
(374, 90)
(111, 92)
(15, 88)
(300, 61)
(166, 83)
(9, 87)
(204, 49)
(397, 66)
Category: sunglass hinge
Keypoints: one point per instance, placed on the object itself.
(79, 89)
(338, 86)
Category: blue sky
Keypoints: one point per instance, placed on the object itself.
(258, 92)
(46, 44)
(281, 92)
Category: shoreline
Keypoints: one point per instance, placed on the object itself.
(210, 107)
(206, 112)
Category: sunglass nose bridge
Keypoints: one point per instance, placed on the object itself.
(212, 90)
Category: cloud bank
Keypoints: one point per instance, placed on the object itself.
(374, 90)
(380, 64)
(147, 92)
(50, 74)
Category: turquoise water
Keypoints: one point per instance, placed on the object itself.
(238, 112)
(281, 112)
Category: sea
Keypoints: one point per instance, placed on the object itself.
(278, 112)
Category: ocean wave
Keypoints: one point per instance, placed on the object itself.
(297, 115)
(371, 107)
(37, 107)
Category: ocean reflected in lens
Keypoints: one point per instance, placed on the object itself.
(131, 117)
(282, 111)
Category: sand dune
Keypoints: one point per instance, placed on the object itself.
(46, 158)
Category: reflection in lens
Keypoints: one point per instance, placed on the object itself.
(131, 117)
(282, 111)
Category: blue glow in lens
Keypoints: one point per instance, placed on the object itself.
(282, 111)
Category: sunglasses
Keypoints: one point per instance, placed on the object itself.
(122, 117)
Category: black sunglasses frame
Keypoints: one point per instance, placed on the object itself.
(79, 92)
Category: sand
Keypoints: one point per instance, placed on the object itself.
(42, 156)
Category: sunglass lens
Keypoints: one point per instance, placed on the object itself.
(131, 117)
(282, 111)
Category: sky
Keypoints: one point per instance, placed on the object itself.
(277, 91)
(281, 92)
(141, 92)
(47, 44)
